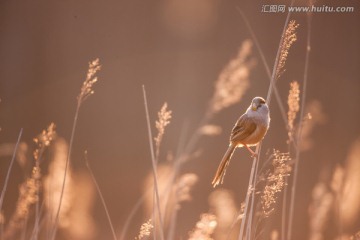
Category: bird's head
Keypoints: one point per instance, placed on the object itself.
(257, 103)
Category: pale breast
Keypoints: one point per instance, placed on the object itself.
(257, 135)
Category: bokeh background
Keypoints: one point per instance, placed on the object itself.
(176, 48)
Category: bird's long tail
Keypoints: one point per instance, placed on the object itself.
(220, 173)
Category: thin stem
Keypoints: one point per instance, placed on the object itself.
(268, 99)
(177, 167)
(9, 170)
(142, 198)
(37, 205)
(272, 82)
(100, 194)
(36, 228)
(171, 232)
(131, 215)
(296, 166)
(266, 65)
(283, 212)
(243, 221)
(154, 166)
(24, 228)
(8, 176)
(251, 213)
(56, 221)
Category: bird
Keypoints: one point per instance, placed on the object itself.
(248, 131)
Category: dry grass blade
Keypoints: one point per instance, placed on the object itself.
(262, 56)
(182, 189)
(9, 169)
(85, 92)
(319, 210)
(100, 194)
(252, 178)
(299, 133)
(154, 167)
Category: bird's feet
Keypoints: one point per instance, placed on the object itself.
(253, 154)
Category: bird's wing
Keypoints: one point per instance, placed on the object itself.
(243, 128)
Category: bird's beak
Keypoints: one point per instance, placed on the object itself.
(254, 107)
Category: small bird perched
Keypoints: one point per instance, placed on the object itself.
(249, 130)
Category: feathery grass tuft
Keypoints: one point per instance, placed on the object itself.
(204, 228)
(233, 80)
(87, 87)
(287, 41)
(30, 188)
(85, 91)
(145, 230)
(294, 107)
(164, 117)
(275, 181)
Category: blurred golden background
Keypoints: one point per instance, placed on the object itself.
(177, 50)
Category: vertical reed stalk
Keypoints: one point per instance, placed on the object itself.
(9, 170)
(248, 193)
(266, 65)
(7, 178)
(249, 224)
(154, 168)
(298, 138)
(85, 92)
(56, 221)
(101, 196)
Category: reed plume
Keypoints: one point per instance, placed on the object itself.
(87, 87)
(222, 205)
(287, 41)
(145, 230)
(164, 116)
(53, 184)
(85, 91)
(210, 130)
(233, 81)
(320, 210)
(348, 192)
(294, 107)
(80, 207)
(275, 181)
(315, 116)
(204, 228)
(29, 190)
(356, 236)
